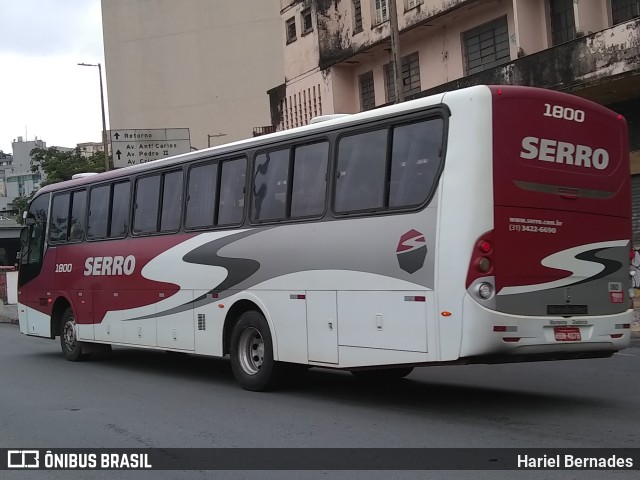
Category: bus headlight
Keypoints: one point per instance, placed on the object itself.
(485, 290)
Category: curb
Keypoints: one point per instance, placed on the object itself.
(8, 313)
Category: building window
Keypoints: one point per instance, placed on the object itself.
(486, 46)
(623, 10)
(410, 75)
(382, 11)
(357, 16)
(563, 25)
(291, 30)
(367, 93)
(305, 21)
(409, 4)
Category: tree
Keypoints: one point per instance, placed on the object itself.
(59, 166)
(20, 204)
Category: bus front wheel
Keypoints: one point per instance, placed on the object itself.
(71, 347)
(251, 352)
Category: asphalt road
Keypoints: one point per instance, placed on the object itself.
(139, 398)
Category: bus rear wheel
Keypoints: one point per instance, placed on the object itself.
(251, 352)
(71, 347)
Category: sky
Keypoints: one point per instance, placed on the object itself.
(43, 91)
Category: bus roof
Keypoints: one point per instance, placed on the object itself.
(293, 133)
(254, 142)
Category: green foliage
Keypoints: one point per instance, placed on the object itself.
(20, 204)
(59, 166)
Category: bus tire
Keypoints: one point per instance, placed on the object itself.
(251, 352)
(71, 347)
(382, 375)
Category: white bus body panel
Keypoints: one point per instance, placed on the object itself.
(322, 326)
(33, 322)
(536, 334)
(466, 196)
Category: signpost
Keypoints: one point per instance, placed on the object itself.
(135, 146)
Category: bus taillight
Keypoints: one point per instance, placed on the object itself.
(481, 264)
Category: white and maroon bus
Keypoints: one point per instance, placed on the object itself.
(484, 225)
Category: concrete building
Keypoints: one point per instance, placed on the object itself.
(205, 65)
(16, 176)
(6, 166)
(89, 148)
(337, 54)
(22, 154)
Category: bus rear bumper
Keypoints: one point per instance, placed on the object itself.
(487, 333)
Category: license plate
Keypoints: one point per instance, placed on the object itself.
(567, 334)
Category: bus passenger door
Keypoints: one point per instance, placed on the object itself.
(32, 298)
(322, 326)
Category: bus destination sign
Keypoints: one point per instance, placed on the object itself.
(135, 146)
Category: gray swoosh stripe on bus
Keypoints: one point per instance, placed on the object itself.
(572, 261)
(239, 269)
(610, 266)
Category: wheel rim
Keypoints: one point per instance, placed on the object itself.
(69, 334)
(251, 350)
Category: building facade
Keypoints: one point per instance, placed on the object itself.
(89, 148)
(338, 54)
(205, 65)
(6, 165)
(16, 176)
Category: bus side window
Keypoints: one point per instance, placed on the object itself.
(120, 205)
(147, 203)
(171, 208)
(78, 215)
(98, 212)
(231, 205)
(59, 218)
(415, 162)
(309, 180)
(270, 185)
(360, 178)
(201, 196)
(35, 244)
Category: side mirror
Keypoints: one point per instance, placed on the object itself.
(27, 218)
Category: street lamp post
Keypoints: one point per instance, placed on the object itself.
(104, 123)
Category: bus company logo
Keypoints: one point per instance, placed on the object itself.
(23, 459)
(546, 150)
(411, 251)
(109, 266)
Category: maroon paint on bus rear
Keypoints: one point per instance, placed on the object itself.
(562, 205)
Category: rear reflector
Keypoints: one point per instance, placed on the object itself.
(505, 328)
(616, 335)
(511, 339)
(419, 298)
